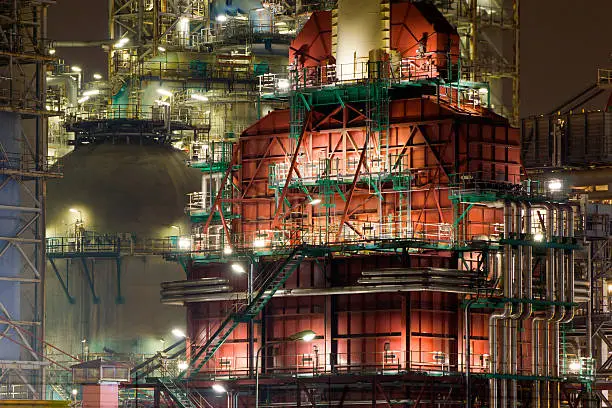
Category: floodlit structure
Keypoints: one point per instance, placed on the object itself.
(570, 147)
(385, 210)
(362, 230)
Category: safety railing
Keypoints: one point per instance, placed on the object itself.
(203, 70)
(604, 77)
(510, 185)
(158, 113)
(211, 155)
(89, 243)
(388, 362)
(359, 232)
(25, 163)
(339, 170)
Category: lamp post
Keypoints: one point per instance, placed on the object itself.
(306, 335)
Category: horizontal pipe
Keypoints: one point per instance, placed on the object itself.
(344, 290)
(408, 280)
(79, 44)
(196, 282)
(196, 290)
(416, 271)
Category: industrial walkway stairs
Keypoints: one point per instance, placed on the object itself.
(181, 396)
(271, 279)
(147, 367)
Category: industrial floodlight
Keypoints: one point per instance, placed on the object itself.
(315, 201)
(51, 51)
(538, 237)
(161, 49)
(184, 243)
(83, 99)
(123, 41)
(555, 185)
(305, 335)
(219, 388)
(76, 69)
(97, 77)
(227, 250)
(221, 18)
(91, 92)
(238, 268)
(178, 333)
(575, 366)
(183, 365)
(75, 391)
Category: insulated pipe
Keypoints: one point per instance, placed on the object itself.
(196, 290)
(418, 271)
(407, 279)
(343, 290)
(559, 310)
(197, 282)
(541, 355)
(516, 278)
(495, 317)
(571, 279)
(527, 265)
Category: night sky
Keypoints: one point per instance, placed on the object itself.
(563, 42)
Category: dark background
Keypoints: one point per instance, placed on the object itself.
(563, 42)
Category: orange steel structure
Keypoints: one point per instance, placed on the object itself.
(388, 218)
(398, 330)
(427, 142)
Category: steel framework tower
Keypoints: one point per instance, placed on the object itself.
(490, 47)
(23, 169)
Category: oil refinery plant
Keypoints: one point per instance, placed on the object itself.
(293, 203)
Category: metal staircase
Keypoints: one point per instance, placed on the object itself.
(270, 280)
(147, 367)
(181, 396)
(61, 392)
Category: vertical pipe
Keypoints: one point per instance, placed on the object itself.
(570, 286)
(495, 317)
(468, 351)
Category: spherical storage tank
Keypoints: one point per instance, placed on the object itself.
(131, 189)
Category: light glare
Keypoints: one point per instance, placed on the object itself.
(555, 185)
(199, 97)
(178, 333)
(238, 268)
(218, 388)
(164, 92)
(184, 243)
